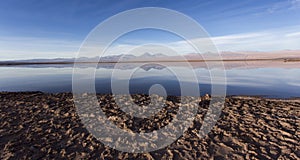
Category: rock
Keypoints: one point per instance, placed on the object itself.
(46, 126)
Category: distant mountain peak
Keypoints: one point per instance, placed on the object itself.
(146, 54)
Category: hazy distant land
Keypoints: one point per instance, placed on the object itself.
(282, 59)
(158, 57)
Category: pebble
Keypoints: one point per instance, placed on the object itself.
(50, 129)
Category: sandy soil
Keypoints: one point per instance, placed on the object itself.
(35, 125)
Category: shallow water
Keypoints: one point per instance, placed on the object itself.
(275, 82)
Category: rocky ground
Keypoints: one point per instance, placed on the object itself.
(35, 125)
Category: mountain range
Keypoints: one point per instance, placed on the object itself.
(288, 55)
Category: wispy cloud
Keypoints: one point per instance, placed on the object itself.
(36, 47)
(284, 5)
(287, 38)
(295, 4)
(269, 40)
(294, 34)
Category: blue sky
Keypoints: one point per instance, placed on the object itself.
(55, 28)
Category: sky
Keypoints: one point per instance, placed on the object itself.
(54, 28)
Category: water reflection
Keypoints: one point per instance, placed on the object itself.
(276, 79)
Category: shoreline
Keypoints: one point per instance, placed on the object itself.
(38, 125)
(286, 60)
(265, 97)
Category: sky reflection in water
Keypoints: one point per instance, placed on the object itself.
(270, 82)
